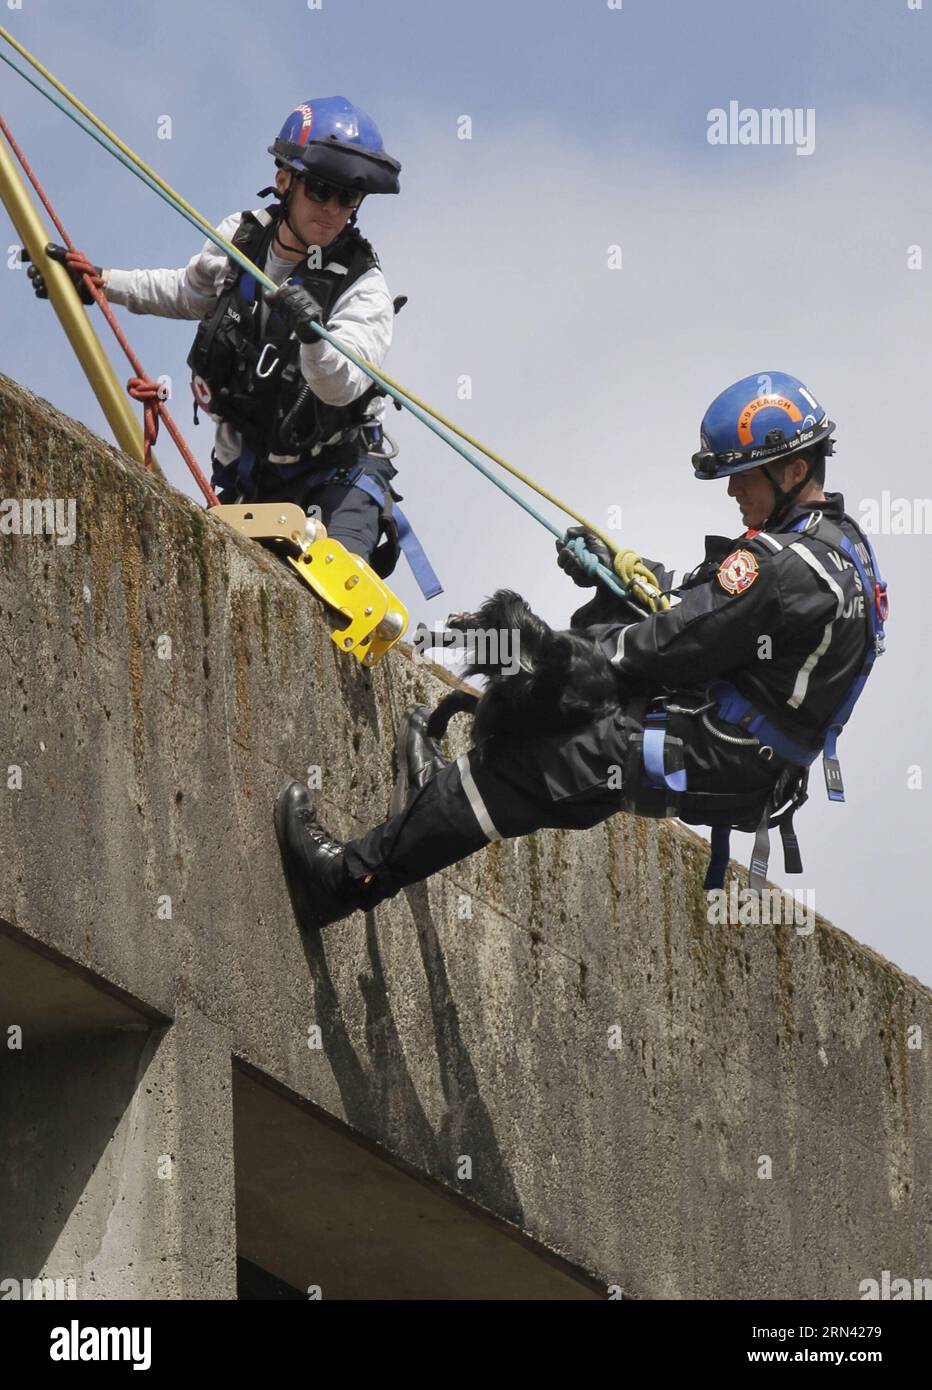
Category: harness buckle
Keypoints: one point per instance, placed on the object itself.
(881, 602)
(833, 782)
(831, 767)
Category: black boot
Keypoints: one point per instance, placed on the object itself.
(417, 756)
(321, 889)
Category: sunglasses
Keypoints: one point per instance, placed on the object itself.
(321, 192)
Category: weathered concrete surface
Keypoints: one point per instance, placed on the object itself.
(469, 1018)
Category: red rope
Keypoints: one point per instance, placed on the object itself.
(150, 393)
(141, 387)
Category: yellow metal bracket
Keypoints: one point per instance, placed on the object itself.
(271, 521)
(374, 618)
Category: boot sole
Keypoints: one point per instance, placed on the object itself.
(401, 788)
(400, 757)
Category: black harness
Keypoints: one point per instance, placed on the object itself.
(664, 784)
(251, 378)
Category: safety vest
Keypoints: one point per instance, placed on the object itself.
(251, 378)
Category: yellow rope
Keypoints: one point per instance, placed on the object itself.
(627, 564)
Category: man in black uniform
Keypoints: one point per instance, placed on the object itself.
(724, 699)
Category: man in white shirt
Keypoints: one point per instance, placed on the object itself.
(296, 420)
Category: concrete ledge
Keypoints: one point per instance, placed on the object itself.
(324, 1212)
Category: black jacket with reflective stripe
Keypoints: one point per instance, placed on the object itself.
(780, 614)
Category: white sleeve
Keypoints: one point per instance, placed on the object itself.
(362, 318)
(188, 293)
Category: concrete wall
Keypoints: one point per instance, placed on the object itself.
(558, 1010)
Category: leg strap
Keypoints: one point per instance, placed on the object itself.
(718, 862)
(792, 859)
(655, 734)
(411, 548)
(237, 479)
(760, 855)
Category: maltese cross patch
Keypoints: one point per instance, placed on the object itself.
(738, 571)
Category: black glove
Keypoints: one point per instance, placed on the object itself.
(300, 309)
(72, 261)
(571, 566)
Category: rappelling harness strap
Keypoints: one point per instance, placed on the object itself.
(737, 710)
(655, 739)
(399, 533)
(248, 374)
(249, 377)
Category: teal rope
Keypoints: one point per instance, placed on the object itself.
(586, 558)
(91, 130)
(607, 576)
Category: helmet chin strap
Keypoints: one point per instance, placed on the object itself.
(284, 209)
(286, 218)
(784, 500)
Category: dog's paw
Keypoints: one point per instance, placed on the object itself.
(461, 622)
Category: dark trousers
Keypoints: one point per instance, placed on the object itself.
(349, 514)
(511, 786)
(499, 789)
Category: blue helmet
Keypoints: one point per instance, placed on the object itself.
(334, 140)
(768, 416)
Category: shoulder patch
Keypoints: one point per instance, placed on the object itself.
(738, 571)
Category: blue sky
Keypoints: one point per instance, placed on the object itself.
(589, 130)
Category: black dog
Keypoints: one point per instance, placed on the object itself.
(562, 679)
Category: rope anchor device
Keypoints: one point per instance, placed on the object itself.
(374, 619)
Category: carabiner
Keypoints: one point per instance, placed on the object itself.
(259, 372)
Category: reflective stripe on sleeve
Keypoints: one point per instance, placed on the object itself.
(801, 684)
